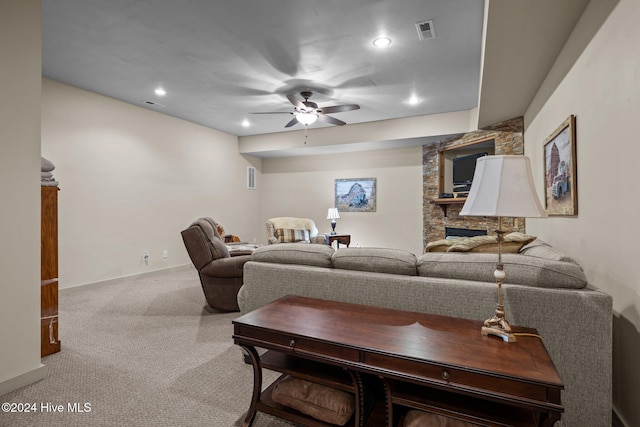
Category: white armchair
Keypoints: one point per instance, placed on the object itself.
(287, 229)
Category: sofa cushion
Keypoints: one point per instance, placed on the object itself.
(379, 260)
(541, 249)
(290, 235)
(519, 269)
(294, 253)
(321, 402)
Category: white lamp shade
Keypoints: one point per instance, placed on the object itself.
(503, 186)
(333, 213)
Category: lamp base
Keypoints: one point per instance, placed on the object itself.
(499, 327)
(333, 228)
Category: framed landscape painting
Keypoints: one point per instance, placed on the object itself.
(356, 195)
(560, 179)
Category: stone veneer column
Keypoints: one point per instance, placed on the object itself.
(509, 139)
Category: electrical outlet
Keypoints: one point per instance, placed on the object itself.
(165, 253)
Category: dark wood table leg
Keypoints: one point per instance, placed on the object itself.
(549, 420)
(388, 402)
(257, 385)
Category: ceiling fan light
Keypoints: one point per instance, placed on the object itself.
(382, 41)
(306, 118)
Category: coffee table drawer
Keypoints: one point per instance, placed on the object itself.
(455, 377)
(294, 344)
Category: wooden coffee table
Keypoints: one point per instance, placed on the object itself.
(437, 364)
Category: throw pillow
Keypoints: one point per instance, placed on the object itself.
(321, 402)
(220, 230)
(439, 245)
(516, 236)
(290, 235)
(512, 243)
(415, 418)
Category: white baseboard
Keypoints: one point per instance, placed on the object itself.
(22, 380)
(127, 278)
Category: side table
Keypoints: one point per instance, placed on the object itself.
(345, 239)
(436, 364)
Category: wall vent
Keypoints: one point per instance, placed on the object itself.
(153, 104)
(426, 30)
(251, 178)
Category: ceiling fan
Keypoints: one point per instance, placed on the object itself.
(307, 112)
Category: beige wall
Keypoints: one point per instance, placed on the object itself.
(381, 134)
(304, 186)
(131, 179)
(20, 53)
(602, 89)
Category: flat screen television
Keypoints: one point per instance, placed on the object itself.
(464, 168)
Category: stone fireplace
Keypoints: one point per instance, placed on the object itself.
(463, 232)
(508, 137)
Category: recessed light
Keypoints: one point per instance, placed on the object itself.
(246, 123)
(382, 41)
(413, 100)
(160, 91)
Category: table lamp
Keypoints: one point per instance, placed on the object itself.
(333, 214)
(502, 186)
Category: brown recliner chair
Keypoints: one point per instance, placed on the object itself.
(220, 273)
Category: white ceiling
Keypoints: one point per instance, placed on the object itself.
(219, 61)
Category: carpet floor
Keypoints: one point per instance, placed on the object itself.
(141, 352)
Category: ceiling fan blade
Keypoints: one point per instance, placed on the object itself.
(296, 102)
(338, 108)
(331, 120)
(273, 112)
(291, 123)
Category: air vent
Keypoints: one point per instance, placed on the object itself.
(251, 178)
(426, 30)
(153, 104)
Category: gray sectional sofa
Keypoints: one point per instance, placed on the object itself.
(543, 289)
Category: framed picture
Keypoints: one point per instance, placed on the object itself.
(560, 178)
(356, 195)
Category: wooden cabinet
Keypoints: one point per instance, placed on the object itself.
(446, 178)
(447, 155)
(49, 342)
